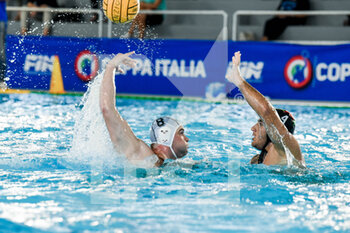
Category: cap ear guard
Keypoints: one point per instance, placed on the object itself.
(164, 135)
(163, 131)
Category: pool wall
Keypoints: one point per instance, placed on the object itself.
(190, 68)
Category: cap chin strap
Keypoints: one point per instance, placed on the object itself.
(172, 151)
(171, 143)
(263, 153)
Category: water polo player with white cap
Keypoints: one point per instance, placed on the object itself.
(166, 132)
(167, 135)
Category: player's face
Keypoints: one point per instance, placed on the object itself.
(259, 135)
(180, 143)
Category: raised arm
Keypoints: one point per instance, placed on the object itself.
(276, 130)
(123, 138)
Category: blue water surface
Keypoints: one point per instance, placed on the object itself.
(47, 187)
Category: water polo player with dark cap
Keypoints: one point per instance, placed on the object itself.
(167, 135)
(273, 134)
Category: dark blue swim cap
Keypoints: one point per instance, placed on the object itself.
(287, 119)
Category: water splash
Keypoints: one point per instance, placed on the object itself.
(91, 142)
(150, 48)
(291, 161)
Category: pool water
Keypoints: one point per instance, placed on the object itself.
(58, 171)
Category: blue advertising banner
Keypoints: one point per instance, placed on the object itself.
(184, 67)
(172, 68)
(297, 72)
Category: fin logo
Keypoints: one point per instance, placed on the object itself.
(298, 72)
(86, 65)
(35, 64)
(250, 71)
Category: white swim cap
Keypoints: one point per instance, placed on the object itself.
(163, 131)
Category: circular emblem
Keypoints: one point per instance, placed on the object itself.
(86, 65)
(298, 72)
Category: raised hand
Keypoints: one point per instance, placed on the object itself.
(235, 76)
(122, 58)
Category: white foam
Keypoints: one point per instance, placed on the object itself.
(291, 160)
(91, 141)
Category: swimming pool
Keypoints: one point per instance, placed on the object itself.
(48, 186)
